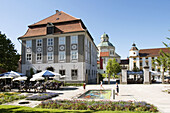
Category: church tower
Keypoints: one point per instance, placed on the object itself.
(133, 52)
(106, 52)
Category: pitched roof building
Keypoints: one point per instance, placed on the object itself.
(144, 57)
(63, 43)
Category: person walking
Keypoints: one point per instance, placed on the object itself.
(84, 86)
(101, 85)
(117, 89)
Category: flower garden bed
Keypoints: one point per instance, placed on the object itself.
(97, 105)
(42, 96)
(10, 96)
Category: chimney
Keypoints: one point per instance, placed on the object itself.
(57, 11)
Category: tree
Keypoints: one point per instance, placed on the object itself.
(9, 56)
(135, 68)
(161, 61)
(112, 67)
(167, 55)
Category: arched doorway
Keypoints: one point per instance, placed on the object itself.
(50, 69)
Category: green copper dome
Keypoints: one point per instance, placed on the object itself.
(104, 36)
(105, 44)
(105, 41)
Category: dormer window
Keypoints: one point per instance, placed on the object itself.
(50, 28)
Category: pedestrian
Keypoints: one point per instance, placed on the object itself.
(117, 89)
(84, 86)
(101, 85)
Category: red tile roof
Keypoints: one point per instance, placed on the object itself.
(103, 54)
(152, 52)
(60, 16)
(63, 23)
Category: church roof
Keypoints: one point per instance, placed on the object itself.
(104, 36)
(104, 44)
(134, 48)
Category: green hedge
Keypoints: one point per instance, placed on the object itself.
(73, 84)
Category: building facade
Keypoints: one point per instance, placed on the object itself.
(106, 52)
(63, 44)
(144, 57)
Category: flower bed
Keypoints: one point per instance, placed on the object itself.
(98, 105)
(42, 96)
(10, 96)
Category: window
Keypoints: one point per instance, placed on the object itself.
(74, 39)
(28, 43)
(74, 55)
(147, 63)
(74, 74)
(134, 64)
(134, 58)
(146, 58)
(50, 42)
(111, 52)
(62, 55)
(140, 63)
(50, 30)
(140, 58)
(39, 42)
(39, 56)
(28, 57)
(50, 55)
(61, 40)
(62, 72)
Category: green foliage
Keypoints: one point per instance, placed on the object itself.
(116, 67)
(73, 84)
(116, 76)
(23, 109)
(9, 97)
(135, 68)
(112, 67)
(9, 56)
(104, 75)
(163, 60)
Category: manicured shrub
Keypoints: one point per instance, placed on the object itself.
(73, 84)
(42, 96)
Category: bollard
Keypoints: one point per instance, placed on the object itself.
(113, 93)
(84, 86)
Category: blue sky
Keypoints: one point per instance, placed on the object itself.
(145, 22)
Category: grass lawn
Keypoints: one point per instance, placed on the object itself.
(21, 109)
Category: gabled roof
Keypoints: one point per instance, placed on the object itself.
(63, 23)
(152, 52)
(60, 16)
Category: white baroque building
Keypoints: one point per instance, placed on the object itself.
(144, 57)
(106, 52)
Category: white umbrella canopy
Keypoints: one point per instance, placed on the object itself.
(11, 74)
(46, 73)
(20, 79)
(37, 78)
